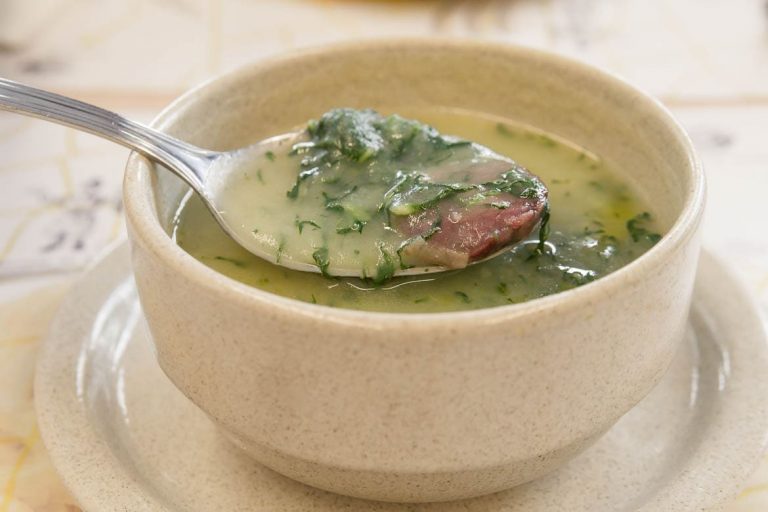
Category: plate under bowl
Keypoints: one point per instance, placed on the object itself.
(124, 438)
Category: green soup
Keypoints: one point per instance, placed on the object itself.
(597, 225)
(365, 195)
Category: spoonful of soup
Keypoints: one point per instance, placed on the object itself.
(353, 193)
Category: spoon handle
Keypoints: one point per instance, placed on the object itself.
(187, 161)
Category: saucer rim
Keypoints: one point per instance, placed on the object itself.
(74, 447)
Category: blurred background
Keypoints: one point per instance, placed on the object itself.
(707, 60)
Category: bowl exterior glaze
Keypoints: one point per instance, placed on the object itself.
(432, 407)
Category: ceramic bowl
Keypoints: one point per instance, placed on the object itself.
(421, 407)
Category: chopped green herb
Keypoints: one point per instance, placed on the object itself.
(280, 249)
(578, 276)
(434, 229)
(575, 246)
(301, 223)
(357, 225)
(335, 203)
(270, 156)
(386, 267)
(463, 296)
(321, 260)
(638, 230)
(233, 261)
(414, 192)
(344, 139)
(518, 182)
(589, 231)
(293, 193)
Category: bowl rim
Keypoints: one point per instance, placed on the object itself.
(141, 213)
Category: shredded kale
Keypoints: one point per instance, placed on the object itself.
(394, 152)
(293, 193)
(578, 276)
(343, 137)
(638, 230)
(369, 143)
(434, 229)
(518, 182)
(233, 261)
(357, 226)
(463, 296)
(371, 170)
(322, 260)
(335, 203)
(385, 270)
(414, 192)
(301, 223)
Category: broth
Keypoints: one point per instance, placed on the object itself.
(597, 225)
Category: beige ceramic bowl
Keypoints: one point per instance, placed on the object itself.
(422, 407)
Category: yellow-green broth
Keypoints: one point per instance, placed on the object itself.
(597, 225)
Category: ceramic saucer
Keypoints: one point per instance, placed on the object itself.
(123, 438)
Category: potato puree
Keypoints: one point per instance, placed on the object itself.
(597, 225)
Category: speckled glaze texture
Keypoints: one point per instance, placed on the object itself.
(124, 438)
(432, 407)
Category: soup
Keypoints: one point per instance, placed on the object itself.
(597, 224)
(357, 193)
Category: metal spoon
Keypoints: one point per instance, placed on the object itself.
(191, 163)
